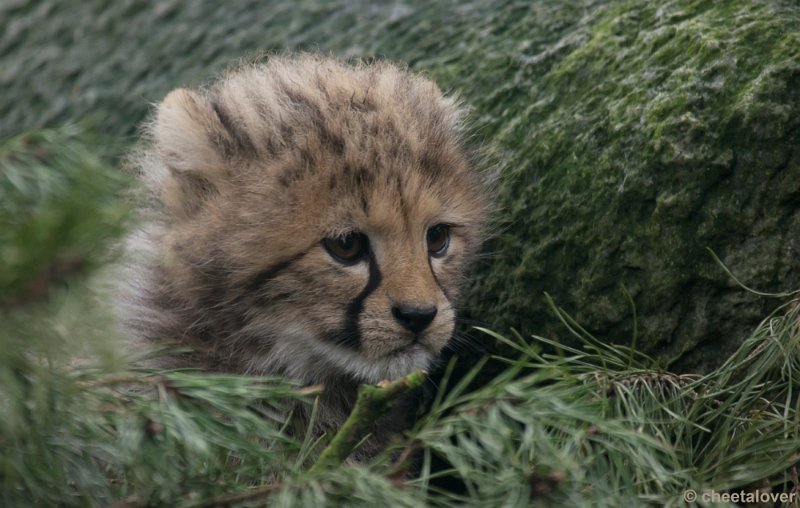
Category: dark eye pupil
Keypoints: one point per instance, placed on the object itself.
(347, 243)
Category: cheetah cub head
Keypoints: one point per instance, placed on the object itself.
(312, 219)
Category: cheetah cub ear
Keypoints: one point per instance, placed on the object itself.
(187, 132)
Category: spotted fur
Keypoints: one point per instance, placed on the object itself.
(248, 179)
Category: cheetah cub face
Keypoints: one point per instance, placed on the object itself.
(313, 219)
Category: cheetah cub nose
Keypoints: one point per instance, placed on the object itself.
(415, 319)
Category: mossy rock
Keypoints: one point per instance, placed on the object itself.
(632, 135)
(658, 133)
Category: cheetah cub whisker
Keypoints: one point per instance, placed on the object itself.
(309, 218)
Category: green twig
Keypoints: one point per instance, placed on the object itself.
(372, 402)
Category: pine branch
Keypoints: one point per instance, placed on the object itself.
(372, 402)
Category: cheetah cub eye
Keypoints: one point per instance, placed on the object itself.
(313, 219)
(438, 240)
(347, 249)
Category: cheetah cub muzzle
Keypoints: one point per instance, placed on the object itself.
(309, 218)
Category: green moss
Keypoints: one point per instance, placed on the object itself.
(632, 135)
(677, 135)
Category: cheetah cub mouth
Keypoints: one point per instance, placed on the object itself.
(311, 218)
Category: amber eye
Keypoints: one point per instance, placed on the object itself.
(438, 240)
(347, 249)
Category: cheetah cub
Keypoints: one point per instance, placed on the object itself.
(310, 219)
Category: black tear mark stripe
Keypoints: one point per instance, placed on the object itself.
(350, 335)
(436, 279)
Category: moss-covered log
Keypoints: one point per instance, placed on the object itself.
(632, 134)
